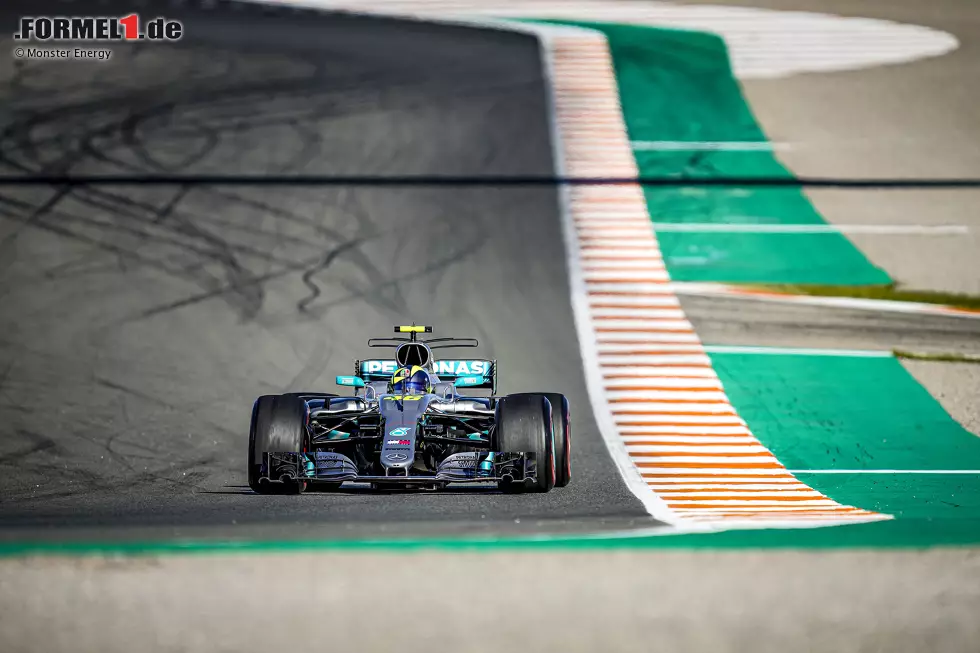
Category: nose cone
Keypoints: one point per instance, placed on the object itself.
(401, 417)
(398, 459)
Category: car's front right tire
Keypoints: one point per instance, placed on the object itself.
(524, 424)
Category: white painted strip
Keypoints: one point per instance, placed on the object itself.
(667, 383)
(637, 239)
(708, 146)
(606, 195)
(598, 227)
(653, 353)
(583, 110)
(766, 508)
(775, 485)
(748, 503)
(634, 408)
(618, 355)
(601, 149)
(679, 420)
(592, 139)
(809, 519)
(877, 229)
(646, 324)
(643, 231)
(636, 288)
(651, 263)
(841, 514)
(689, 441)
(599, 313)
(772, 486)
(627, 212)
(706, 458)
(597, 169)
(625, 253)
(796, 351)
(646, 337)
(680, 355)
(683, 429)
(615, 228)
(885, 471)
(628, 275)
(769, 485)
(659, 398)
(594, 130)
(593, 243)
(661, 474)
(734, 492)
(607, 300)
(674, 448)
(680, 373)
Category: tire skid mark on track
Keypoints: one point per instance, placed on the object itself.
(684, 440)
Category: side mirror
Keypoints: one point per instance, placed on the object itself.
(466, 380)
(352, 381)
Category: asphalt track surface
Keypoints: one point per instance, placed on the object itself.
(137, 325)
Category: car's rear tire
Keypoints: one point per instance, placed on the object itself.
(524, 423)
(278, 424)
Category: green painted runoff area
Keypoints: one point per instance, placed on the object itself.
(858, 413)
(678, 86)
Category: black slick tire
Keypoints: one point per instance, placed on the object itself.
(561, 424)
(562, 429)
(278, 424)
(523, 423)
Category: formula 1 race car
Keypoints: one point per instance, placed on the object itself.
(407, 426)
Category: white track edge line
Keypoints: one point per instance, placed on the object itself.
(884, 471)
(797, 351)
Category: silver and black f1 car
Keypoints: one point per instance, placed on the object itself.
(407, 425)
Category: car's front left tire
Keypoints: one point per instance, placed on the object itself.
(278, 425)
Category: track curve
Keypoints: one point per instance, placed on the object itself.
(139, 324)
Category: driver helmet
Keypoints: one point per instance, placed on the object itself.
(410, 381)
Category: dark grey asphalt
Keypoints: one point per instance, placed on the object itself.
(738, 321)
(138, 325)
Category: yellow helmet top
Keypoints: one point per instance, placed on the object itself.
(412, 380)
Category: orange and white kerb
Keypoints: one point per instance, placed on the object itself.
(666, 405)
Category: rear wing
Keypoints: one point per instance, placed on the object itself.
(446, 370)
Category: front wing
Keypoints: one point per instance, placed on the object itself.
(467, 467)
